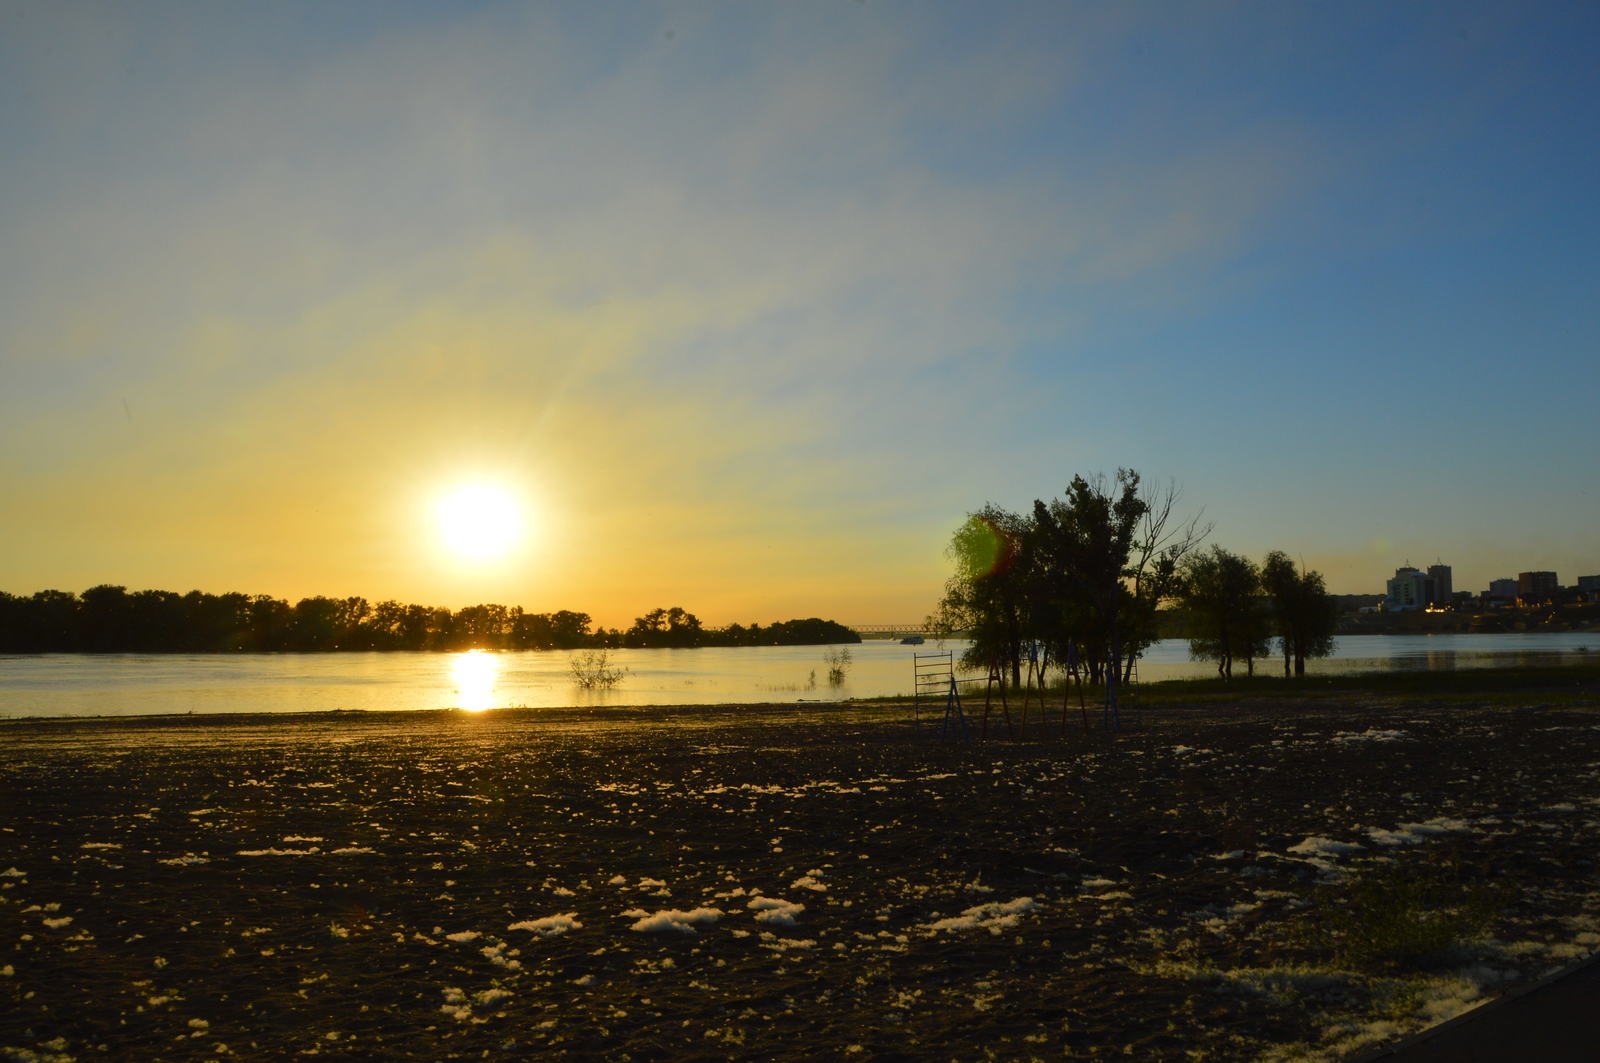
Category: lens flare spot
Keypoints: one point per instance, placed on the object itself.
(982, 549)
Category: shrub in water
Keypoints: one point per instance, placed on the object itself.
(591, 671)
(838, 666)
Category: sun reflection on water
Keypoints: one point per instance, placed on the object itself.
(474, 674)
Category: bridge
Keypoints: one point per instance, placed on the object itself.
(892, 631)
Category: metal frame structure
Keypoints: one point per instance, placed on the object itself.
(935, 675)
(1037, 662)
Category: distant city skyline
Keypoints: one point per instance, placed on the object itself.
(743, 307)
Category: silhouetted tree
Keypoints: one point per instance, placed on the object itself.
(1082, 575)
(107, 618)
(1159, 547)
(315, 624)
(1087, 543)
(1230, 622)
(988, 596)
(1304, 615)
(386, 626)
(481, 627)
(270, 621)
(531, 631)
(811, 631)
(665, 628)
(11, 622)
(569, 630)
(51, 618)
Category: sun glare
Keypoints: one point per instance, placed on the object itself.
(474, 675)
(479, 521)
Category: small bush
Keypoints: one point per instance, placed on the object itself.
(591, 670)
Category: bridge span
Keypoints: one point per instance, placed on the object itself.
(892, 631)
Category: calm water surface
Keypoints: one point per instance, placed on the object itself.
(139, 684)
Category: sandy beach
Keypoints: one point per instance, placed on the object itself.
(783, 882)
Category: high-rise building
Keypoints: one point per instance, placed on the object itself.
(1537, 586)
(1443, 588)
(1409, 589)
(1503, 590)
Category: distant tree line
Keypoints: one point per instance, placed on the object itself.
(110, 619)
(676, 628)
(1076, 585)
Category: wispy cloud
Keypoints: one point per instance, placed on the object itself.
(730, 283)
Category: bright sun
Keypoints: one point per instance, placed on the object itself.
(479, 521)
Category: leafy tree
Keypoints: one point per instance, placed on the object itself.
(351, 617)
(665, 627)
(811, 631)
(1159, 548)
(568, 629)
(270, 621)
(228, 621)
(386, 626)
(157, 620)
(315, 624)
(1282, 583)
(11, 621)
(52, 619)
(989, 595)
(481, 627)
(105, 618)
(1316, 618)
(1221, 593)
(1304, 616)
(1088, 541)
(532, 631)
(1084, 574)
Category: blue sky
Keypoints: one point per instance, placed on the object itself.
(750, 303)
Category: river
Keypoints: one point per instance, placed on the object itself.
(151, 683)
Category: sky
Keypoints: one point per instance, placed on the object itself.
(747, 305)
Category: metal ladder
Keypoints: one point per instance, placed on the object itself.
(935, 675)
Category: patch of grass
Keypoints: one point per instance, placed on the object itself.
(1557, 685)
(1396, 1001)
(1577, 678)
(1394, 918)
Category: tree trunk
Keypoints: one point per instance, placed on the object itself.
(1112, 717)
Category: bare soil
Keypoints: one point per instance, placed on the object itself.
(349, 885)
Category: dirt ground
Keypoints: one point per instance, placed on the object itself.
(775, 882)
